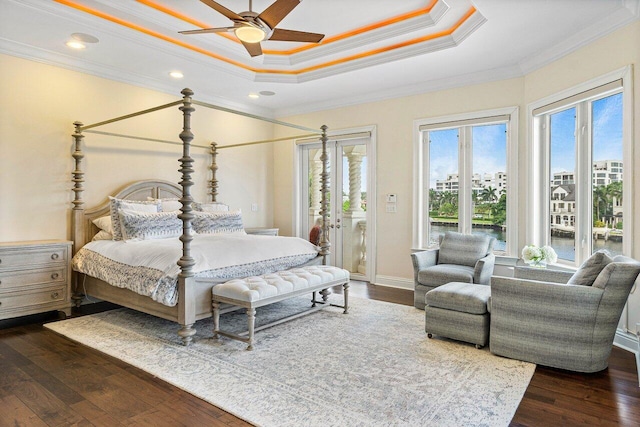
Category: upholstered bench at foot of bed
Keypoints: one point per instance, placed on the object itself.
(258, 291)
(459, 311)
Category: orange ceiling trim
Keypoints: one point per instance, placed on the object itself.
(422, 39)
(152, 33)
(307, 46)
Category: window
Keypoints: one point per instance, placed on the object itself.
(581, 147)
(464, 177)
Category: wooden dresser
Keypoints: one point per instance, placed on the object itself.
(35, 277)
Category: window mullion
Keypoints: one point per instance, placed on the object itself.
(465, 166)
(584, 214)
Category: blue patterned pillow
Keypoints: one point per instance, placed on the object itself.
(132, 205)
(138, 225)
(218, 222)
(210, 207)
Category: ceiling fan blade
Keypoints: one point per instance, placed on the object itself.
(223, 10)
(277, 11)
(282, 35)
(254, 49)
(208, 30)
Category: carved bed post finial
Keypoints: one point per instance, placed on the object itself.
(324, 202)
(213, 184)
(78, 174)
(185, 278)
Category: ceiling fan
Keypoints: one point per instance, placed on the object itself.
(252, 28)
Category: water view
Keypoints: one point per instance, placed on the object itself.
(564, 247)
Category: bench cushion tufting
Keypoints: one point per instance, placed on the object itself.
(257, 288)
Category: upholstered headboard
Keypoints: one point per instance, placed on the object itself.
(83, 228)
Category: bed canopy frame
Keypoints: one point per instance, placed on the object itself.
(186, 312)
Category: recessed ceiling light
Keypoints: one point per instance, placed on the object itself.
(267, 93)
(74, 44)
(176, 74)
(254, 96)
(85, 38)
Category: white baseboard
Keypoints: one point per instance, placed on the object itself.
(394, 282)
(629, 342)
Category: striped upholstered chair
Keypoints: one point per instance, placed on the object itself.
(466, 258)
(569, 325)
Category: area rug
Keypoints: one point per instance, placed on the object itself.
(372, 367)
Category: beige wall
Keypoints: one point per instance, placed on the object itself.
(39, 105)
(394, 141)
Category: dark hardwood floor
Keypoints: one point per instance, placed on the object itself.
(47, 380)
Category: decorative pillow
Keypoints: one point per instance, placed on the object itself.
(104, 224)
(590, 269)
(218, 222)
(102, 235)
(133, 205)
(136, 225)
(171, 204)
(211, 207)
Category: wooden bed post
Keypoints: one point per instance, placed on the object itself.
(324, 190)
(77, 233)
(213, 184)
(186, 297)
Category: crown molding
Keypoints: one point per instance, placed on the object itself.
(414, 89)
(620, 18)
(459, 35)
(360, 40)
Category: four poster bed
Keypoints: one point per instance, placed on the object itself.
(175, 268)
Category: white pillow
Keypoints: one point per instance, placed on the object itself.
(104, 224)
(211, 207)
(171, 204)
(102, 235)
(133, 205)
(136, 225)
(218, 222)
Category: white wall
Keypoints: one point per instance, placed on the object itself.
(40, 104)
(394, 123)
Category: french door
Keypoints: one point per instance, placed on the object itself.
(349, 211)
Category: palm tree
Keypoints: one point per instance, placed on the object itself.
(600, 200)
(489, 194)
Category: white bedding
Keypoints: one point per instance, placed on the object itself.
(150, 268)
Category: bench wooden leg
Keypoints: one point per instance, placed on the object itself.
(251, 318)
(345, 291)
(313, 299)
(216, 319)
(325, 295)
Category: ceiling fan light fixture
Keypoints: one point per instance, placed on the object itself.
(250, 34)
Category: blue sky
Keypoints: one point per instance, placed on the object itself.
(607, 134)
(489, 142)
(489, 151)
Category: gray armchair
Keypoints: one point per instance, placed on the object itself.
(461, 258)
(568, 325)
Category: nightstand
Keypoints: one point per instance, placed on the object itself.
(263, 231)
(35, 277)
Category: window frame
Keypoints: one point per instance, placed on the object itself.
(538, 191)
(465, 170)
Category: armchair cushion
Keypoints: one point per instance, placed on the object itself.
(444, 273)
(464, 249)
(590, 269)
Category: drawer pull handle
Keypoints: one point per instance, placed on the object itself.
(54, 295)
(55, 256)
(54, 276)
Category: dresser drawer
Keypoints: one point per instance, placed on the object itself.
(54, 296)
(10, 280)
(28, 257)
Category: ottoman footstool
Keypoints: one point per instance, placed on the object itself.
(459, 311)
